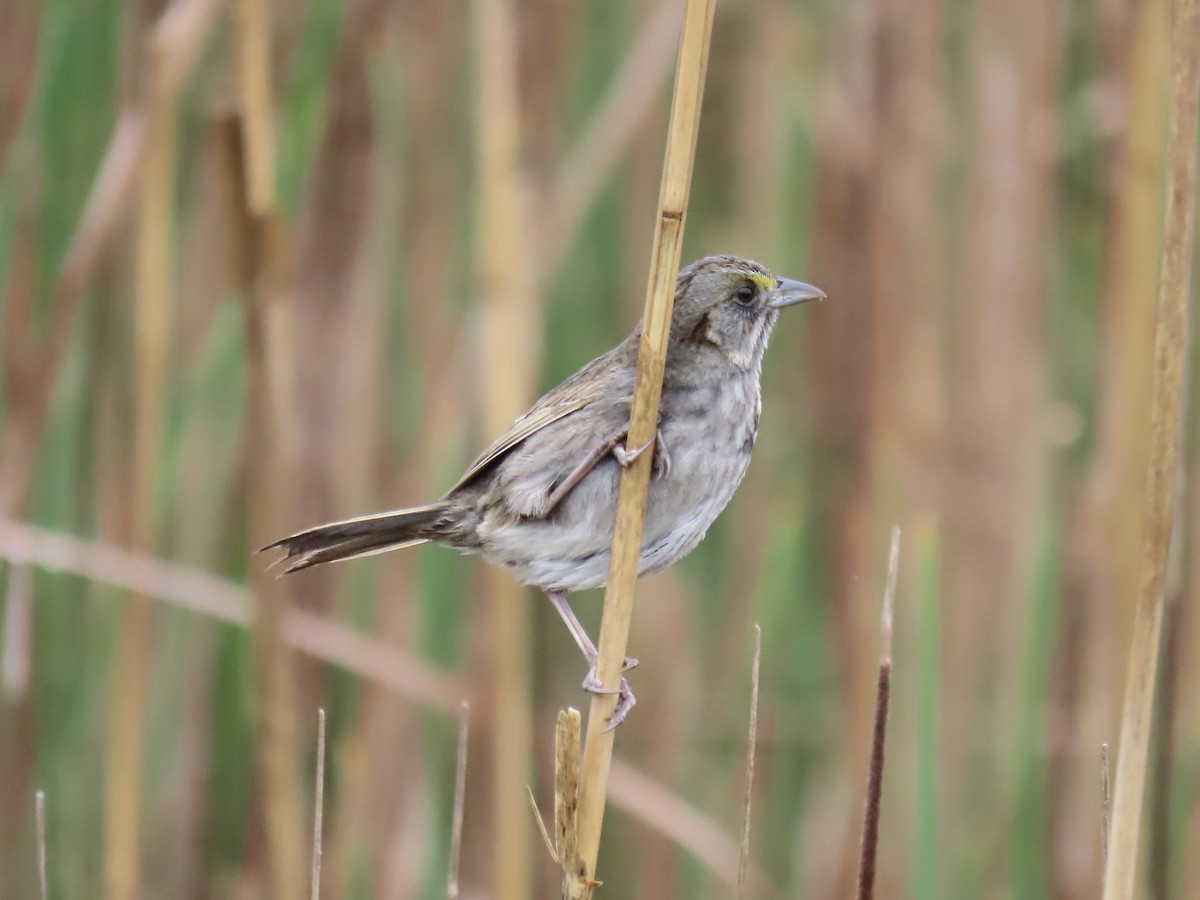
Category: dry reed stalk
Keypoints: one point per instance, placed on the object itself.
(1166, 713)
(507, 370)
(1166, 416)
(1105, 811)
(643, 423)
(870, 831)
(318, 809)
(568, 730)
(460, 799)
(254, 77)
(1130, 260)
(751, 746)
(263, 279)
(618, 605)
(266, 292)
(39, 809)
(131, 668)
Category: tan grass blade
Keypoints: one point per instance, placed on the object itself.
(541, 824)
(631, 503)
(1170, 350)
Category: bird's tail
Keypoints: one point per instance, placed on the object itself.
(360, 537)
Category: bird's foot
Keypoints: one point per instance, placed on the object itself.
(594, 685)
(662, 460)
(625, 697)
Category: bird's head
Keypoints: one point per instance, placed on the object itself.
(731, 304)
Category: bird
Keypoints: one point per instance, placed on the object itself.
(541, 500)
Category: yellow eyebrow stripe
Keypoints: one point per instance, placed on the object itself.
(766, 282)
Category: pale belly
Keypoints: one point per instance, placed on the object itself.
(570, 551)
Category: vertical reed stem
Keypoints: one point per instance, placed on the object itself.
(870, 833)
(643, 425)
(131, 669)
(460, 800)
(508, 365)
(39, 808)
(1166, 412)
(751, 747)
(318, 809)
(266, 294)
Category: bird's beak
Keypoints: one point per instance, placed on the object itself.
(789, 293)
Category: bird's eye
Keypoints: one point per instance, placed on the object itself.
(744, 295)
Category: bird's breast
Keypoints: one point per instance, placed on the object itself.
(708, 434)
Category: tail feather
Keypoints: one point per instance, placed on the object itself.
(363, 536)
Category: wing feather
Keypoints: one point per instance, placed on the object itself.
(530, 423)
(591, 383)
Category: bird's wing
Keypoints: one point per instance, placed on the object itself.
(530, 423)
(582, 389)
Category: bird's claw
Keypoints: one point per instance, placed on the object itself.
(594, 685)
(625, 697)
(662, 460)
(625, 702)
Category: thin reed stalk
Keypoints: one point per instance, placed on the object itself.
(266, 293)
(39, 808)
(131, 669)
(1105, 811)
(870, 833)
(1166, 416)
(508, 367)
(751, 747)
(262, 281)
(460, 799)
(318, 809)
(643, 424)
(254, 78)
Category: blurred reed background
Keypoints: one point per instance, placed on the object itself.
(264, 265)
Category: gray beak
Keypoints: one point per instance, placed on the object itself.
(789, 293)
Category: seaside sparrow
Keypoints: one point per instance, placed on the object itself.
(541, 500)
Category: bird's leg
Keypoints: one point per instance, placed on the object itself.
(601, 450)
(662, 460)
(625, 698)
